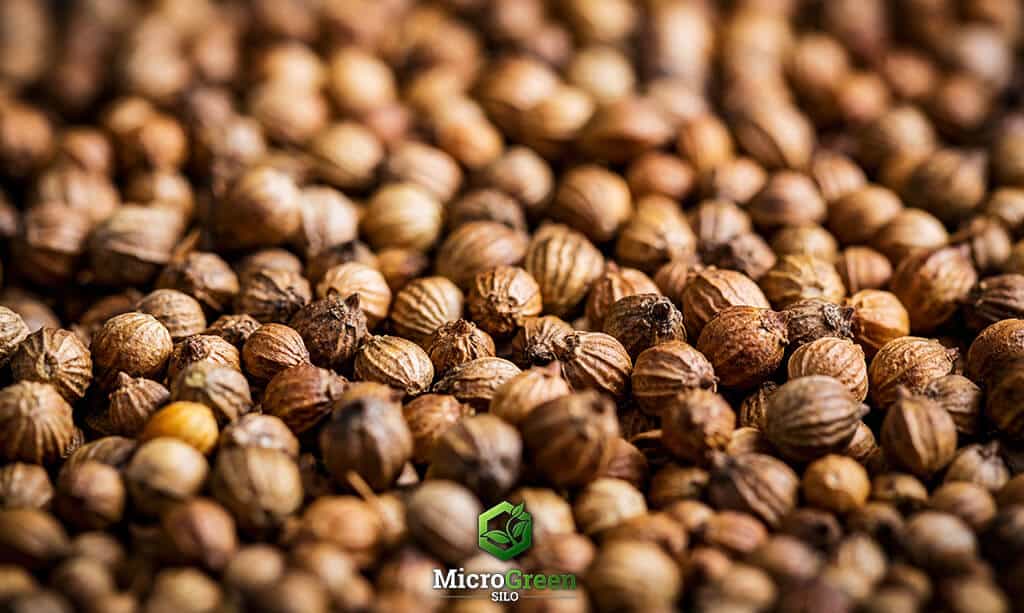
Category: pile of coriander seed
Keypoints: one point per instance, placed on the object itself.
(724, 299)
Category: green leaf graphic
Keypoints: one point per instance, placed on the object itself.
(518, 509)
(498, 536)
(518, 529)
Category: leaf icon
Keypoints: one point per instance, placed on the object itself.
(518, 510)
(499, 536)
(519, 529)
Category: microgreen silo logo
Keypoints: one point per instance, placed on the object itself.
(505, 530)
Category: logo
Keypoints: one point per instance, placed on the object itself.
(505, 530)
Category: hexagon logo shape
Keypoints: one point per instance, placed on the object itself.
(505, 530)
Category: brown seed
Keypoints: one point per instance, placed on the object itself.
(565, 265)
(994, 299)
(476, 247)
(744, 345)
(423, 305)
(908, 361)
(133, 244)
(660, 173)
(607, 503)
(90, 496)
(51, 242)
(834, 357)
(346, 154)
(918, 435)
(947, 183)
(836, 483)
(130, 406)
(628, 575)
(995, 347)
(614, 284)
(31, 539)
(706, 142)
(980, 464)
(487, 205)
(657, 233)
(517, 397)
(475, 382)
(674, 483)
(259, 430)
(1003, 402)
(747, 253)
(970, 502)
(202, 531)
(752, 483)
(667, 369)
(345, 280)
(329, 219)
(431, 168)
(594, 360)
(739, 180)
(269, 199)
(932, 284)
(939, 542)
(162, 472)
(695, 424)
(302, 395)
(260, 487)
(582, 426)
(457, 342)
(56, 357)
(438, 514)
(961, 398)
(878, 318)
(38, 422)
(625, 129)
(910, 231)
(988, 242)
(368, 437)
(395, 362)
(644, 320)
(594, 201)
(718, 221)
(501, 298)
(708, 292)
(812, 416)
(814, 319)
(235, 329)
(787, 199)
(272, 295)
(535, 343)
(351, 251)
(24, 486)
(202, 348)
(133, 343)
(399, 266)
(271, 349)
(482, 452)
(402, 215)
(332, 330)
(190, 422)
(12, 331)
(221, 388)
(204, 276)
(754, 408)
(863, 268)
(429, 416)
(859, 215)
(807, 239)
(181, 314)
(800, 277)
